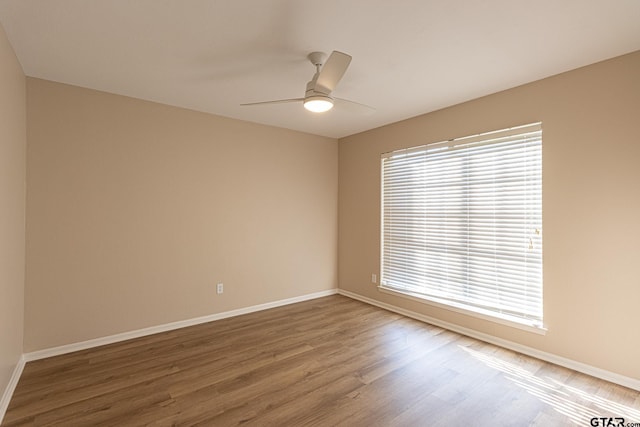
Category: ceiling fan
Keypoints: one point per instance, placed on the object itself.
(317, 97)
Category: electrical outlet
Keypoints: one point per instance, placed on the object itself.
(220, 288)
(374, 278)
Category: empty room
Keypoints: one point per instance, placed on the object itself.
(337, 213)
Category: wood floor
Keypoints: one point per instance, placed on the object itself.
(326, 362)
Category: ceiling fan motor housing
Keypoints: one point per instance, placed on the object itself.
(314, 89)
(315, 100)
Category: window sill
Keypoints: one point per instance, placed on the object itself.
(507, 321)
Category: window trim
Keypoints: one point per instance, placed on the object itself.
(521, 323)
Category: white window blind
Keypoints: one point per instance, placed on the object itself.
(462, 223)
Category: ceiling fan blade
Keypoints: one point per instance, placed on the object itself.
(356, 107)
(332, 71)
(278, 101)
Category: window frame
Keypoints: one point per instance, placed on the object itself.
(447, 304)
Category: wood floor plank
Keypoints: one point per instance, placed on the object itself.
(326, 362)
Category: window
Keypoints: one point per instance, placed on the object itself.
(462, 224)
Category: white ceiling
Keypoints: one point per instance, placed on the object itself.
(409, 56)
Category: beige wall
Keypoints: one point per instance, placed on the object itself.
(13, 140)
(591, 207)
(135, 210)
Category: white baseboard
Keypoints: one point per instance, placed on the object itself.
(629, 382)
(69, 348)
(13, 382)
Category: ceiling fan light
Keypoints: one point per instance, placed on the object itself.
(318, 104)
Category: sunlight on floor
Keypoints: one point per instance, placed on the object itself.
(578, 405)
